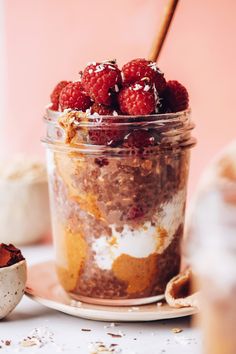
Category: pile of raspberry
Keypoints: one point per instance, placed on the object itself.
(138, 89)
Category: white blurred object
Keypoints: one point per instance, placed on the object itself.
(24, 201)
(220, 172)
(211, 251)
(211, 227)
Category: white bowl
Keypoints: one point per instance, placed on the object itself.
(12, 286)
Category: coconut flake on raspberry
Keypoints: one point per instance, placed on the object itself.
(136, 87)
(99, 67)
(101, 82)
(134, 100)
(146, 88)
(138, 69)
(154, 67)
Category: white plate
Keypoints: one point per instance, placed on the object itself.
(43, 286)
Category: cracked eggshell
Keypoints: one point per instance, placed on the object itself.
(12, 286)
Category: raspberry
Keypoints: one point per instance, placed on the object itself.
(56, 93)
(175, 97)
(101, 109)
(137, 69)
(109, 135)
(138, 99)
(73, 96)
(139, 138)
(101, 81)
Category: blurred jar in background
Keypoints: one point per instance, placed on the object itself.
(212, 253)
(24, 201)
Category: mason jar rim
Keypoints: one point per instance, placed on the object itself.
(174, 127)
(119, 119)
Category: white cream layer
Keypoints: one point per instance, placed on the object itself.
(144, 241)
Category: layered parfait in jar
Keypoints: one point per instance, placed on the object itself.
(118, 145)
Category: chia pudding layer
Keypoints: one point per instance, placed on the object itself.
(118, 215)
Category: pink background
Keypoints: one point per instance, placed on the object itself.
(47, 41)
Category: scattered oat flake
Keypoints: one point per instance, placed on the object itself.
(99, 347)
(115, 335)
(30, 342)
(159, 304)
(38, 337)
(176, 330)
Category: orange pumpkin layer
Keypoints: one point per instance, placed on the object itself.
(75, 253)
(137, 272)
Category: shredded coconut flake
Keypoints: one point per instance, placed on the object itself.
(154, 67)
(88, 111)
(99, 68)
(146, 88)
(136, 87)
(111, 67)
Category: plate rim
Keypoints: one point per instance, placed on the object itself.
(101, 314)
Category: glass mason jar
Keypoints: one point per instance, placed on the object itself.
(211, 249)
(117, 209)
